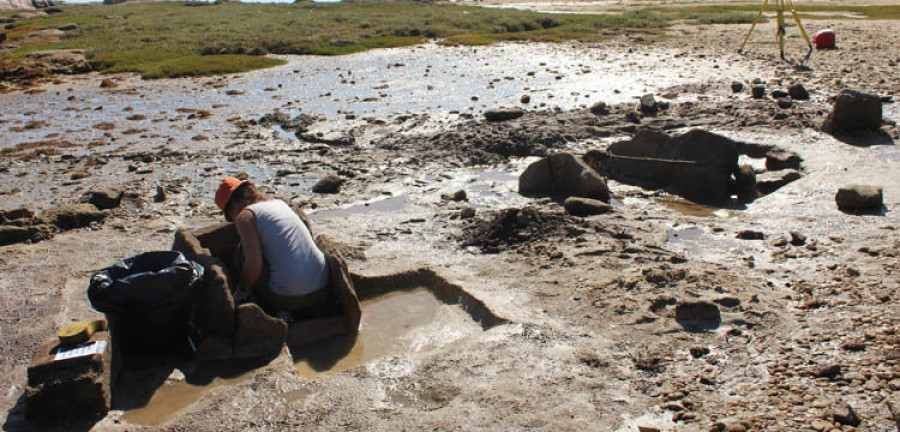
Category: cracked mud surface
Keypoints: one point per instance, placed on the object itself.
(597, 337)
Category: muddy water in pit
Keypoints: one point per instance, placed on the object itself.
(399, 322)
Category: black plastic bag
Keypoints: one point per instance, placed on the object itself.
(147, 300)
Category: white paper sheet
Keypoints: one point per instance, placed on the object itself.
(92, 348)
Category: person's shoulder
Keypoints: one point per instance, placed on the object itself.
(245, 216)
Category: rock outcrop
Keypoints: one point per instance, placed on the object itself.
(854, 112)
(562, 175)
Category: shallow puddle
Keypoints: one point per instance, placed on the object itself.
(400, 321)
(386, 322)
(689, 208)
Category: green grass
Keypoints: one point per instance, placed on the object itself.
(167, 39)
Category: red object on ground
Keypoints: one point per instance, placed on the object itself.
(824, 39)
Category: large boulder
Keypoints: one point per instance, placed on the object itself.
(859, 198)
(854, 112)
(562, 175)
(697, 165)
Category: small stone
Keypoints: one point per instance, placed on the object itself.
(600, 109)
(778, 94)
(843, 413)
(859, 197)
(525, 99)
(459, 195)
(503, 114)
(160, 195)
(737, 86)
(108, 83)
(750, 235)
(644, 428)
(736, 427)
(329, 184)
(586, 206)
(820, 425)
(829, 371)
(699, 351)
(68, 27)
(785, 102)
(467, 213)
(759, 92)
(104, 198)
(797, 239)
(698, 314)
(798, 92)
(649, 105)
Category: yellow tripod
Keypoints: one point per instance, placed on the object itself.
(781, 27)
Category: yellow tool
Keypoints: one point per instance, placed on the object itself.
(80, 332)
(781, 27)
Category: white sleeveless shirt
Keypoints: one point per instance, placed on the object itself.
(296, 264)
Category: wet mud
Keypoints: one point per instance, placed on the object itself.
(767, 315)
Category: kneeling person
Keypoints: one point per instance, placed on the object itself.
(282, 266)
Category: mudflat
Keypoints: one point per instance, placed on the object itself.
(773, 313)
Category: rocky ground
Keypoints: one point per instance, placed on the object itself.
(779, 314)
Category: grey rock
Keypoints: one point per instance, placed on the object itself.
(104, 198)
(697, 165)
(843, 413)
(859, 197)
(459, 195)
(759, 92)
(467, 213)
(649, 106)
(503, 114)
(854, 112)
(525, 99)
(698, 314)
(798, 92)
(600, 109)
(562, 175)
(329, 184)
(586, 206)
(160, 195)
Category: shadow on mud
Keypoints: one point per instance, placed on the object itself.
(873, 139)
(16, 421)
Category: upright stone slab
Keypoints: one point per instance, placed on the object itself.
(79, 386)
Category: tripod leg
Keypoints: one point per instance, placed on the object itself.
(758, 15)
(802, 31)
(781, 29)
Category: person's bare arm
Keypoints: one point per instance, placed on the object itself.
(245, 222)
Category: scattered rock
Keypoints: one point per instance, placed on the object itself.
(750, 235)
(68, 27)
(525, 99)
(699, 351)
(459, 195)
(586, 206)
(798, 92)
(11, 234)
(329, 184)
(649, 106)
(759, 92)
(843, 413)
(104, 198)
(778, 94)
(645, 428)
(503, 114)
(467, 213)
(781, 159)
(698, 314)
(737, 86)
(797, 239)
(108, 83)
(829, 371)
(160, 194)
(562, 175)
(854, 112)
(785, 102)
(600, 109)
(859, 197)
